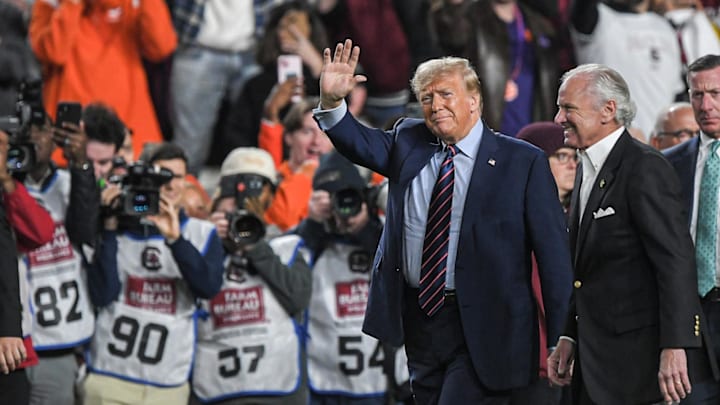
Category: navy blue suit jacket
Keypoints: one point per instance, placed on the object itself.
(511, 210)
(683, 157)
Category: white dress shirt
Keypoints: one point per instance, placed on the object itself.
(593, 158)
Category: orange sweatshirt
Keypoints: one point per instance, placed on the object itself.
(94, 53)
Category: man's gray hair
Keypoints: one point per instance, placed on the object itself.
(606, 84)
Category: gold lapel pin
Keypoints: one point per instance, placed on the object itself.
(491, 162)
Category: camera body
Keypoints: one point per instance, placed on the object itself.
(28, 111)
(244, 228)
(140, 189)
(347, 202)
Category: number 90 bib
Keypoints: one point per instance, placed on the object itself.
(143, 346)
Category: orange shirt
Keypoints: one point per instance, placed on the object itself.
(94, 53)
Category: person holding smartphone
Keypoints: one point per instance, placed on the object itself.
(61, 325)
(289, 51)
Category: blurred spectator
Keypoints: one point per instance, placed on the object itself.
(217, 39)
(305, 143)
(345, 366)
(251, 347)
(515, 53)
(293, 29)
(145, 278)
(195, 201)
(675, 124)
(385, 59)
(93, 50)
(563, 160)
(105, 136)
(64, 319)
(695, 33)
(640, 44)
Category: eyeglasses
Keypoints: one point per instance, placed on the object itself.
(683, 134)
(565, 157)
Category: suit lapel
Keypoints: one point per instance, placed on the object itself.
(424, 145)
(603, 182)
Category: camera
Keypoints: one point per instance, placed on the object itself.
(347, 202)
(244, 228)
(140, 189)
(28, 111)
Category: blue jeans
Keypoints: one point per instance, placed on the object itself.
(200, 79)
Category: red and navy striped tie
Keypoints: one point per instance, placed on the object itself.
(437, 235)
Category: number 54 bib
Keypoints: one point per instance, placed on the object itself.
(143, 346)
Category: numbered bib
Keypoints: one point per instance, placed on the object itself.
(62, 313)
(341, 358)
(140, 345)
(248, 345)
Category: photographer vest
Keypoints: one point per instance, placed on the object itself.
(148, 335)
(248, 344)
(341, 358)
(63, 316)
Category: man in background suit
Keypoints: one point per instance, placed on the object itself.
(474, 335)
(696, 165)
(634, 310)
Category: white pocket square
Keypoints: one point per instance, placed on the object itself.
(603, 212)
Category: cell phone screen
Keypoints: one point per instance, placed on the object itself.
(289, 66)
(68, 111)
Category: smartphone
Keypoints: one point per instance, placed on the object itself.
(289, 66)
(68, 111)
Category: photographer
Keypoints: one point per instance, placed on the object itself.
(149, 269)
(24, 225)
(63, 318)
(250, 348)
(342, 231)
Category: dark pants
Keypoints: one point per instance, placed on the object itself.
(15, 388)
(441, 371)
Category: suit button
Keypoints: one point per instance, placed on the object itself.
(577, 284)
(397, 269)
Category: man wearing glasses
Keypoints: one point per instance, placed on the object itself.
(675, 124)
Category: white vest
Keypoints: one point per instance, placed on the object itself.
(341, 358)
(63, 316)
(148, 334)
(248, 345)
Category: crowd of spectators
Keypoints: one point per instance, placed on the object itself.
(229, 109)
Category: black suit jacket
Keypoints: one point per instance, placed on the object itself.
(635, 287)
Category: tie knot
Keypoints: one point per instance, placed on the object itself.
(452, 150)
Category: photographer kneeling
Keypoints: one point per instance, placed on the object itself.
(250, 346)
(151, 265)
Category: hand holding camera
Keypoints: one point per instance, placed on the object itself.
(73, 140)
(319, 206)
(167, 220)
(6, 179)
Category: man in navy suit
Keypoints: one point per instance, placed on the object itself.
(690, 159)
(478, 337)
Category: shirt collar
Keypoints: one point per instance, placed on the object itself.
(469, 145)
(705, 141)
(598, 153)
